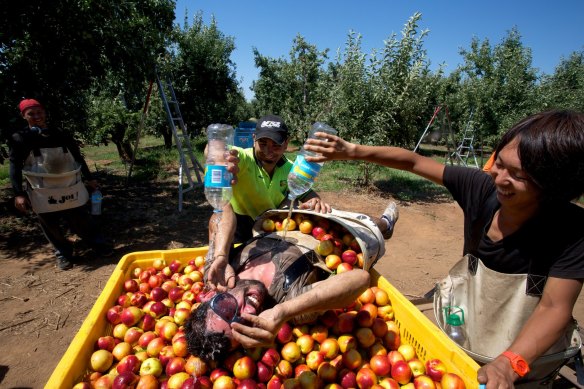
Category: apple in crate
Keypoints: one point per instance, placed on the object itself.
(101, 360)
(366, 378)
(435, 369)
(452, 381)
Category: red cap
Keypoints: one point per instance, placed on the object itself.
(28, 103)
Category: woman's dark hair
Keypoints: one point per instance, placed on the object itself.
(211, 346)
(551, 150)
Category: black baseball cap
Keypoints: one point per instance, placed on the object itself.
(272, 127)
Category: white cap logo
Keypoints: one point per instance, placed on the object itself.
(270, 124)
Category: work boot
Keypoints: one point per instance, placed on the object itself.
(390, 215)
(64, 263)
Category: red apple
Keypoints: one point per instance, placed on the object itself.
(264, 372)
(348, 379)
(175, 294)
(417, 367)
(155, 280)
(284, 333)
(147, 381)
(125, 380)
(131, 285)
(306, 343)
(131, 315)
(314, 359)
(365, 337)
(155, 346)
(138, 299)
(291, 352)
(158, 294)
(389, 383)
(180, 347)
(132, 335)
(146, 338)
(349, 256)
(435, 369)
(330, 348)
(113, 314)
(366, 378)
(452, 381)
(318, 232)
(327, 372)
(106, 343)
(147, 323)
(343, 267)
(244, 368)
(407, 350)
(401, 372)
(175, 365)
(271, 357)
(352, 359)
(380, 365)
(121, 350)
(129, 363)
(424, 382)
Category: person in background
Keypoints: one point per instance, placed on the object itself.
(52, 165)
(519, 219)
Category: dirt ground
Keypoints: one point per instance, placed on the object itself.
(43, 307)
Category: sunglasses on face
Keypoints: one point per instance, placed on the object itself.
(226, 307)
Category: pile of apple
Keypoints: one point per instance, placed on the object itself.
(336, 245)
(356, 347)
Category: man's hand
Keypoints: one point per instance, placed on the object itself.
(316, 204)
(332, 148)
(21, 203)
(497, 374)
(221, 275)
(233, 164)
(258, 331)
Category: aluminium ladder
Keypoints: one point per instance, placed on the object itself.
(187, 166)
(465, 149)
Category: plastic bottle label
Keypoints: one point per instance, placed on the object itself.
(305, 169)
(217, 176)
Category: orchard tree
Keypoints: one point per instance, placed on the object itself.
(57, 51)
(498, 84)
(565, 88)
(203, 76)
(289, 88)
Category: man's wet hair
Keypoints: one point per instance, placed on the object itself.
(211, 346)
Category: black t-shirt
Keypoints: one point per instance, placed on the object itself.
(550, 244)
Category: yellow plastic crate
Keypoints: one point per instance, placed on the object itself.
(415, 328)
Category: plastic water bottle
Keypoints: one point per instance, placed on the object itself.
(96, 198)
(454, 327)
(302, 175)
(217, 179)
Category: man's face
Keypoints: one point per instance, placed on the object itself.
(249, 296)
(268, 151)
(35, 116)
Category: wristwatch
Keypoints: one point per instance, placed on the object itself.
(518, 364)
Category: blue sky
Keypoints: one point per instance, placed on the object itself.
(552, 29)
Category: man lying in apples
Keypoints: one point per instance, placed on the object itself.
(265, 283)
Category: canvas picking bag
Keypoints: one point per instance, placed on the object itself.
(54, 180)
(496, 306)
(361, 226)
